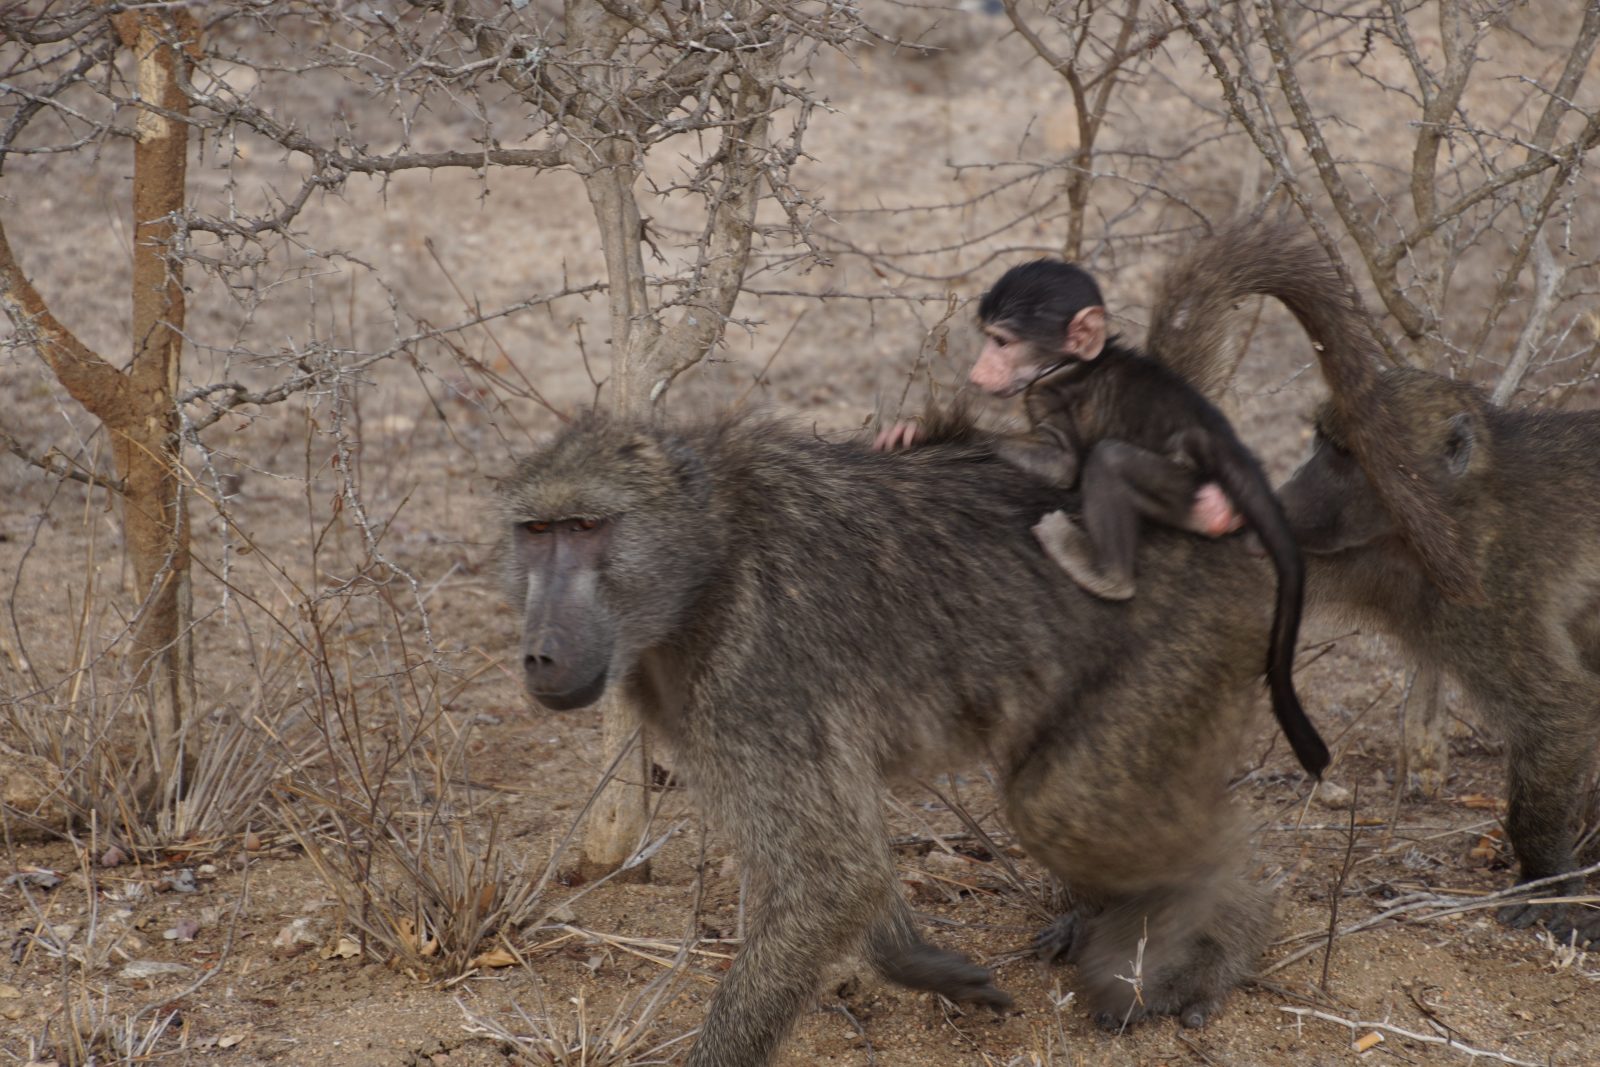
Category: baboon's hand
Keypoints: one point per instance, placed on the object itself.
(901, 435)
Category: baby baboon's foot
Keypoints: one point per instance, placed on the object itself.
(1065, 542)
(949, 974)
(1060, 941)
(1212, 513)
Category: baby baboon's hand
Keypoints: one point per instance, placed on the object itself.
(902, 434)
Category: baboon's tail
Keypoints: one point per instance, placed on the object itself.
(1245, 483)
(1192, 331)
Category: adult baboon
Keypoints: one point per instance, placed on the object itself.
(1518, 491)
(802, 620)
(1527, 484)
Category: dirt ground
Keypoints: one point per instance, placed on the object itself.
(266, 929)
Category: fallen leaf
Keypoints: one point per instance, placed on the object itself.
(9, 992)
(495, 957)
(113, 857)
(342, 949)
(229, 1040)
(1480, 802)
(181, 881)
(183, 930)
(1335, 796)
(296, 933)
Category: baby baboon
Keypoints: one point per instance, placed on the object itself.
(1476, 542)
(1148, 445)
(736, 576)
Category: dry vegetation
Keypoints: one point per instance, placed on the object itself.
(353, 841)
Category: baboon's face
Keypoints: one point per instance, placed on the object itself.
(1330, 504)
(568, 631)
(605, 540)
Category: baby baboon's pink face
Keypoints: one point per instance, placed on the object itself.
(1005, 365)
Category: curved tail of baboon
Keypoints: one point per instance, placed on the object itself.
(1192, 330)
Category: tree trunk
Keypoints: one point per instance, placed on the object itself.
(619, 815)
(138, 406)
(1424, 736)
(148, 445)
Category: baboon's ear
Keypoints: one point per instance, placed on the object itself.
(1410, 478)
(1086, 333)
(689, 469)
(1460, 444)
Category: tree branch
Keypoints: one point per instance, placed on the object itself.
(54, 462)
(91, 381)
(1415, 321)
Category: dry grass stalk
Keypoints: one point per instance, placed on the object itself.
(631, 1036)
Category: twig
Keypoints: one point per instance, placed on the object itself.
(1446, 906)
(1338, 889)
(1410, 1035)
(53, 462)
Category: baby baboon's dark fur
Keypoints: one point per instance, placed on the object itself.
(745, 582)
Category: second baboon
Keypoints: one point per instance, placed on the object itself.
(1526, 484)
(737, 576)
(1512, 494)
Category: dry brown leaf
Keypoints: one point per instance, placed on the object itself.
(343, 949)
(495, 957)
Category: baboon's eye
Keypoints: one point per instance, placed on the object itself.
(536, 527)
(585, 523)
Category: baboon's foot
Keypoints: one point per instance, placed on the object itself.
(1562, 920)
(1118, 1008)
(1586, 925)
(1178, 952)
(1569, 924)
(1061, 941)
(949, 974)
(1065, 542)
(1115, 1023)
(1523, 914)
(1196, 1014)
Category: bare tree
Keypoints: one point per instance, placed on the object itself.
(598, 88)
(137, 404)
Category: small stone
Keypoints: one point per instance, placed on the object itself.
(145, 970)
(1333, 795)
(181, 881)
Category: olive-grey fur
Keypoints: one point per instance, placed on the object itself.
(1510, 498)
(803, 621)
(1529, 655)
